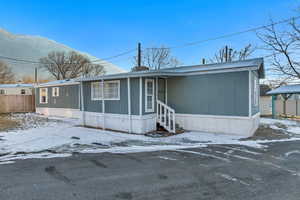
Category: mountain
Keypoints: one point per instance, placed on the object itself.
(32, 48)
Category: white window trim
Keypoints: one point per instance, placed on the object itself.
(46, 96)
(146, 90)
(255, 91)
(110, 99)
(53, 91)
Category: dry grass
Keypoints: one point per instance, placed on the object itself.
(6, 123)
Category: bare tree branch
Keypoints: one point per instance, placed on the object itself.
(62, 65)
(6, 75)
(157, 58)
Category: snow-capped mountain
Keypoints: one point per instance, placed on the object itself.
(32, 48)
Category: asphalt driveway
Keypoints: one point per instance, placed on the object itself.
(215, 172)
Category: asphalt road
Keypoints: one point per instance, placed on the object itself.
(216, 172)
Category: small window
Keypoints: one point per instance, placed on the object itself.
(55, 91)
(111, 90)
(2, 91)
(43, 95)
(23, 91)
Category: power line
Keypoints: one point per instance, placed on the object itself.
(111, 57)
(235, 33)
(179, 46)
(98, 61)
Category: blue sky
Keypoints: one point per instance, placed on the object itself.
(106, 28)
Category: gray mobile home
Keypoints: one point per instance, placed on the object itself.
(58, 98)
(220, 98)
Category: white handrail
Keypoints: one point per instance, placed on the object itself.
(166, 116)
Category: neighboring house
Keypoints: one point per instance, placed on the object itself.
(58, 98)
(219, 98)
(286, 100)
(265, 101)
(16, 89)
(15, 98)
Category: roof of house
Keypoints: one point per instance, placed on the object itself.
(264, 89)
(18, 85)
(58, 83)
(286, 89)
(254, 64)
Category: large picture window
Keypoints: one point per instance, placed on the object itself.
(43, 95)
(111, 90)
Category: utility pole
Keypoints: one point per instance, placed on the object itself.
(35, 75)
(139, 55)
(226, 53)
(229, 54)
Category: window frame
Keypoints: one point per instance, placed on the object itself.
(100, 85)
(22, 91)
(53, 91)
(152, 95)
(4, 92)
(46, 91)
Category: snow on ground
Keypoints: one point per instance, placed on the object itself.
(61, 137)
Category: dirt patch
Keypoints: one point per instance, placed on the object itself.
(24, 121)
(7, 124)
(265, 132)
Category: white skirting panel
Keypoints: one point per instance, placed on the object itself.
(243, 126)
(60, 112)
(121, 122)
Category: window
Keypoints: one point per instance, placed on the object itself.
(55, 91)
(43, 95)
(2, 91)
(256, 91)
(111, 90)
(23, 91)
(149, 95)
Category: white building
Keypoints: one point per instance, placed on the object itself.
(16, 89)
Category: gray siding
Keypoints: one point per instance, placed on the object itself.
(68, 97)
(114, 106)
(254, 108)
(210, 94)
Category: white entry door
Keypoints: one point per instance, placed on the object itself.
(149, 95)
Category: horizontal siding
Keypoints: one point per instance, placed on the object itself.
(68, 97)
(210, 94)
(114, 106)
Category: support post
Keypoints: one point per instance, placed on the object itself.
(129, 105)
(103, 104)
(141, 96)
(273, 106)
(250, 93)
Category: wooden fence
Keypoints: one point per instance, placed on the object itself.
(17, 103)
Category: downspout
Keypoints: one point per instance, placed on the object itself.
(166, 90)
(129, 105)
(103, 105)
